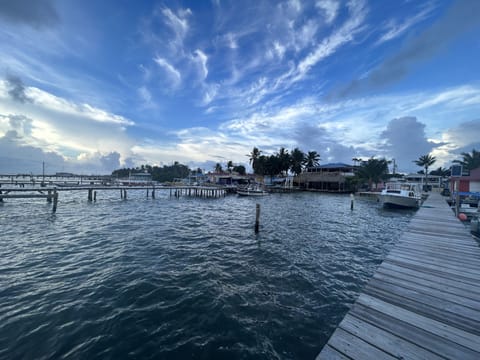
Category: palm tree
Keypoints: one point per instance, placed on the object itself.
(469, 161)
(312, 159)
(425, 161)
(230, 166)
(254, 155)
(297, 157)
(283, 160)
(373, 170)
(440, 172)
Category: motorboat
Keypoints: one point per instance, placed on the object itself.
(401, 195)
(250, 190)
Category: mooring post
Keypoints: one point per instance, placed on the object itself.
(457, 203)
(125, 194)
(352, 201)
(121, 194)
(95, 195)
(257, 219)
(90, 194)
(49, 196)
(55, 200)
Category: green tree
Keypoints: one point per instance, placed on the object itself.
(373, 171)
(218, 168)
(425, 161)
(240, 169)
(469, 161)
(273, 166)
(254, 155)
(297, 158)
(230, 166)
(440, 172)
(284, 161)
(312, 159)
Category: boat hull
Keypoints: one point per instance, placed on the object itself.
(251, 193)
(399, 201)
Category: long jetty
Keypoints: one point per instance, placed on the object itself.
(423, 302)
(50, 193)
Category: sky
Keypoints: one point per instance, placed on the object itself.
(92, 86)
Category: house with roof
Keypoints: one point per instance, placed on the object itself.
(331, 177)
(465, 181)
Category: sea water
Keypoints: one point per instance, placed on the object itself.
(184, 278)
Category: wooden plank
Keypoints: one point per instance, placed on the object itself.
(387, 341)
(437, 345)
(433, 272)
(459, 336)
(444, 311)
(354, 347)
(435, 283)
(329, 353)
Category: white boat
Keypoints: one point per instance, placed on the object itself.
(403, 195)
(251, 191)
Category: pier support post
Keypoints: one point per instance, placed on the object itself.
(94, 196)
(55, 201)
(153, 193)
(49, 196)
(90, 194)
(257, 219)
(125, 194)
(352, 201)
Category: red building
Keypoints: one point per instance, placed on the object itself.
(466, 183)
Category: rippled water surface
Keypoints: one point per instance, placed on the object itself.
(184, 278)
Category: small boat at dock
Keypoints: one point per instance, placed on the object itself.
(401, 195)
(250, 190)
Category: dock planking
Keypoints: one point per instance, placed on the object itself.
(423, 302)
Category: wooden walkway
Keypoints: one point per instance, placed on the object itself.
(423, 301)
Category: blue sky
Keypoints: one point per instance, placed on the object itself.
(91, 86)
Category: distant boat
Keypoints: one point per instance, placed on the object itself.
(252, 191)
(401, 195)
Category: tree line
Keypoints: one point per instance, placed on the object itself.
(282, 161)
(160, 174)
(372, 171)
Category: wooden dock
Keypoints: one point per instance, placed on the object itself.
(423, 301)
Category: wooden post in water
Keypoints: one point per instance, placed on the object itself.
(49, 196)
(121, 194)
(55, 200)
(95, 196)
(457, 203)
(125, 194)
(257, 219)
(90, 194)
(153, 193)
(352, 201)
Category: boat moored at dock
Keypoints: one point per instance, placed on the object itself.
(402, 195)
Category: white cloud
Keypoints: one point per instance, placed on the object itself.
(172, 73)
(329, 8)
(201, 59)
(394, 28)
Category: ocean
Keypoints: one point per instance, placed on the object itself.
(184, 278)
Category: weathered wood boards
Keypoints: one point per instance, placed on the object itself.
(423, 301)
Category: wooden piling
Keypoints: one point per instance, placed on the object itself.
(352, 201)
(94, 196)
(153, 193)
(257, 219)
(125, 194)
(55, 201)
(90, 194)
(49, 196)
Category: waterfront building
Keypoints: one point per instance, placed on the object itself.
(331, 177)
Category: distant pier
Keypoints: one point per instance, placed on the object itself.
(423, 301)
(51, 193)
